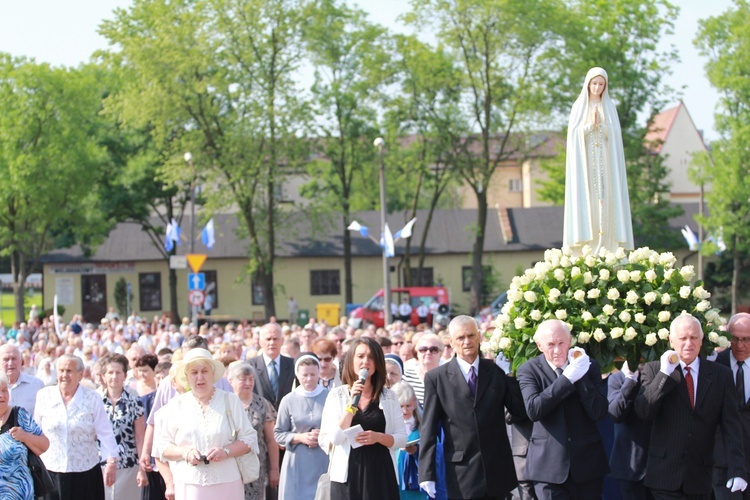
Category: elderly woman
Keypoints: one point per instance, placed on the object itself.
(196, 433)
(367, 471)
(73, 418)
(297, 429)
(429, 350)
(17, 433)
(262, 415)
(125, 412)
(325, 350)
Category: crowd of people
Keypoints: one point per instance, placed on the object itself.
(137, 409)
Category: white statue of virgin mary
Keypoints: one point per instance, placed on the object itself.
(597, 205)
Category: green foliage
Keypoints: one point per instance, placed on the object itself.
(121, 297)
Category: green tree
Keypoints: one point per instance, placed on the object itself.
(498, 47)
(725, 41)
(48, 158)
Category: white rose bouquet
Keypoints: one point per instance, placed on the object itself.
(617, 305)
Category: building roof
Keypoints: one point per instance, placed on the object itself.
(451, 232)
(658, 130)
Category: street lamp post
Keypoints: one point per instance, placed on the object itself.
(379, 143)
(189, 159)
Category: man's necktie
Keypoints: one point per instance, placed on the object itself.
(741, 382)
(473, 381)
(690, 387)
(274, 379)
(559, 372)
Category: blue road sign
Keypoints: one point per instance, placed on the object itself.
(196, 281)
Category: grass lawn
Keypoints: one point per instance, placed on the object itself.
(7, 308)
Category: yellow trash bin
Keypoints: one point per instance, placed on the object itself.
(328, 312)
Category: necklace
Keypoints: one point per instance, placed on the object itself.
(310, 407)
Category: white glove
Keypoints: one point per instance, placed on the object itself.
(736, 484)
(577, 366)
(667, 366)
(429, 488)
(713, 355)
(628, 373)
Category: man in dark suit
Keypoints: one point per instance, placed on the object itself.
(736, 358)
(564, 397)
(275, 372)
(627, 461)
(466, 397)
(520, 433)
(688, 398)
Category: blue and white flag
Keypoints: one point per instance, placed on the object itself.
(405, 232)
(356, 226)
(690, 238)
(172, 235)
(207, 235)
(390, 250)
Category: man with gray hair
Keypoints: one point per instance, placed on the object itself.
(564, 399)
(688, 399)
(23, 387)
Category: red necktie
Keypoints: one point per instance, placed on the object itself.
(690, 387)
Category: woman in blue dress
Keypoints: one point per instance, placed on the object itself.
(17, 431)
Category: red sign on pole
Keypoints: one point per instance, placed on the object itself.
(196, 297)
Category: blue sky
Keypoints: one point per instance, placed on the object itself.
(64, 33)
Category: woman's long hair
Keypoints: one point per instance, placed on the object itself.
(349, 375)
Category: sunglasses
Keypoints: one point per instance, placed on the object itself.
(433, 349)
(327, 359)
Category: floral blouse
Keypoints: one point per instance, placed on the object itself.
(123, 415)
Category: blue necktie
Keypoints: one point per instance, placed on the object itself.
(274, 379)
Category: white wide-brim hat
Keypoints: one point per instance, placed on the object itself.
(194, 356)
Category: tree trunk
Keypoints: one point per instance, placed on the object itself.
(348, 293)
(735, 279)
(477, 253)
(18, 273)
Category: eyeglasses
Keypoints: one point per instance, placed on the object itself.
(433, 349)
(327, 359)
(741, 340)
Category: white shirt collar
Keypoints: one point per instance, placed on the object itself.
(694, 366)
(267, 360)
(466, 367)
(554, 368)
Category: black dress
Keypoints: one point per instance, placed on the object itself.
(371, 474)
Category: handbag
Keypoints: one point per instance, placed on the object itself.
(248, 463)
(323, 490)
(43, 483)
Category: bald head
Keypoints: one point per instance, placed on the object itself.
(739, 328)
(10, 362)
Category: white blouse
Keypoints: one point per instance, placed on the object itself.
(73, 431)
(183, 423)
(333, 440)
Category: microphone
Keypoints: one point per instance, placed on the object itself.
(363, 374)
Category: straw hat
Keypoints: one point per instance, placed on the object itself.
(194, 356)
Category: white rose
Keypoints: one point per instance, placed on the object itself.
(610, 259)
(651, 339)
(525, 279)
(713, 317)
(599, 335)
(667, 259)
(654, 258)
(650, 275)
(616, 332)
(540, 274)
(587, 278)
(613, 294)
(703, 306)
(586, 250)
(687, 272)
(536, 315)
(684, 291)
(579, 295)
(724, 342)
(584, 337)
(553, 295)
(630, 334)
(576, 271)
(625, 316)
(664, 316)
(587, 316)
(649, 298)
(713, 337)
(668, 274)
(663, 333)
(620, 253)
(519, 323)
(559, 274)
(504, 344)
(604, 274)
(529, 272)
(529, 296)
(514, 295)
(503, 319)
(701, 293)
(666, 299)
(608, 309)
(561, 314)
(565, 261)
(590, 261)
(566, 250)
(623, 275)
(553, 253)
(631, 297)
(640, 318)
(593, 293)
(635, 276)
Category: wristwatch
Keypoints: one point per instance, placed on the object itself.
(226, 450)
(111, 460)
(352, 409)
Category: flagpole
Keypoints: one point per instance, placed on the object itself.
(379, 143)
(189, 160)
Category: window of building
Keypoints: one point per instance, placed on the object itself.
(212, 287)
(466, 276)
(515, 185)
(325, 282)
(426, 277)
(149, 290)
(257, 292)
